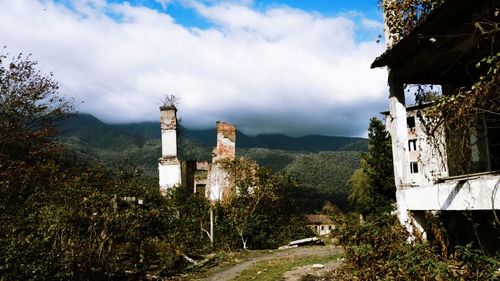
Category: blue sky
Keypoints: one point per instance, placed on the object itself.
(292, 67)
(187, 17)
(325, 7)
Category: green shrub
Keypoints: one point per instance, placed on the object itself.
(378, 248)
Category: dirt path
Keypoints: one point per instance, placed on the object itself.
(223, 274)
(297, 273)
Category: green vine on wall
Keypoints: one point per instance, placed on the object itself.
(401, 16)
(463, 111)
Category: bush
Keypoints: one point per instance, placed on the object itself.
(91, 226)
(62, 218)
(379, 248)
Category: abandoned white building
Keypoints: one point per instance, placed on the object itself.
(320, 224)
(202, 177)
(444, 49)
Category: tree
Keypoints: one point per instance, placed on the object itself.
(60, 220)
(379, 160)
(361, 189)
(259, 206)
(372, 185)
(244, 195)
(29, 108)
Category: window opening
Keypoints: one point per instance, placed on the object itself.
(410, 121)
(414, 167)
(412, 145)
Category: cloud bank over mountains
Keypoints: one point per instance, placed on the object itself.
(271, 70)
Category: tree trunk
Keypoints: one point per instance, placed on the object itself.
(243, 240)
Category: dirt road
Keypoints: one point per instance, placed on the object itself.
(223, 274)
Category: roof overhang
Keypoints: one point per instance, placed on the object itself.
(445, 47)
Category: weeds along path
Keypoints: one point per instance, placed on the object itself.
(231, 272)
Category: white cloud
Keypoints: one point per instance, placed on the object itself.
(278, 64)
(372, 24)
(164, 3)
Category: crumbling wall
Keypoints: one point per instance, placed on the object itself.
(429, 152)
(195, 176)
(226, 142)
(218, 178)
(200, 177)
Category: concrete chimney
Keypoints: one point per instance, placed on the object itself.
(169, 166)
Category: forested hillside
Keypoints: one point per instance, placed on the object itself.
(321, 175)
(312, 143)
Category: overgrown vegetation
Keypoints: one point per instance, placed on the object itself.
(470, 110)
(378, 248)
(58, 220)
(258, 206)
(63, 217)
(402, 16)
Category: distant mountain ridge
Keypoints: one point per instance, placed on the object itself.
(311, 143)
(321, 164)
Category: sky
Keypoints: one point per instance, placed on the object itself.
(296, 67)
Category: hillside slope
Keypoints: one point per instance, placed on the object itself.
(318, 163)
(312, 143)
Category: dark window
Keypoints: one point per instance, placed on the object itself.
(412, 145)
(410, 121)
(200, 189)
(414, 167)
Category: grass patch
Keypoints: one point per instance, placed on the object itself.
(274, 269)
(226, 260)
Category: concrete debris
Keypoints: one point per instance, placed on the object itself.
(307, 242)
(207, 261)
(303, 242)
(287, 247)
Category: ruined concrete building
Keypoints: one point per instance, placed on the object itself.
(169, 165)
(202, 177)
(218, 179)
(444, 49)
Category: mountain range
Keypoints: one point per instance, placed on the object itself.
(80, 124)
(321, 164)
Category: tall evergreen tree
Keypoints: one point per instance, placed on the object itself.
(372, 185)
